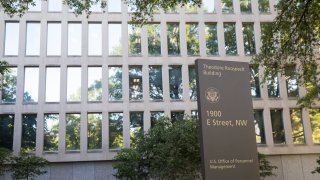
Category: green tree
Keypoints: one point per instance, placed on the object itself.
(27, 166)
(317, 170)
(4, 160)
(266, 169)
(3, 67)
(168, 151)
(293, 38)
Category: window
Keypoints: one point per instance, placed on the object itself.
(192, 83)
(94, 131)
(114, 5)
(33, 39)
(314, 116)
(211, 38)
(291, 81)
(177, 116)
(135, 83)
(11, 39)
(264, 6)
(132, 8)
(192, 34)
(136, 124)
(94, 84)
(273, 86)
(36, 6)
(54, 39)
(54, 5)
(195, 114)
(9, 86)
(190, 8)
(134, 41)
(6, 130)
(297, 126)
(155, 83)
(31, 84)
(154, 39)
(51, 132)
(53, 84)
(230, 38)
(74, 39)
(254, 81)
(115, 47)
(248, 39)
(175, 82)
(259, 126)
(94, 39)
(74, 84)
(245, 6)
(208, 6)
(227, 6)
(115, 83)
(72, 132)
(277, 126)
(155, 116)
(172, 9)
(29, 131)
(173, 37)
(115, 130)
(96, 6)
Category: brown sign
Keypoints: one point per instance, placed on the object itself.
(228, 146)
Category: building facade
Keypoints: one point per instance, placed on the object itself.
(79, 87)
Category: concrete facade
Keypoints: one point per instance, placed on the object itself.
(293, 161)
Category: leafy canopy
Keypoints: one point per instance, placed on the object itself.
(27, 166)
(293, 38)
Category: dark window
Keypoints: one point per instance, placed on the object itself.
(277, 126)
(259, 126)
(29, 131)
(6, 130)
(115, 130)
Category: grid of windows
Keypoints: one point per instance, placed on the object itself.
(115, 40)
(91, 85)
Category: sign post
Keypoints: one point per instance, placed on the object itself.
(227, 136)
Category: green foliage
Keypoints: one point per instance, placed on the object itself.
(18, 7)
(144, 9)
(27, 166)
(3, 67)
(168, 151)
(4, 160)
(317, 170)
(265, 167)
(293, 38)
(129, 167)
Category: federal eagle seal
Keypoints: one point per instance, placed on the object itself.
(212, 95)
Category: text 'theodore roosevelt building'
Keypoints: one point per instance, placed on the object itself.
(79, 86)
